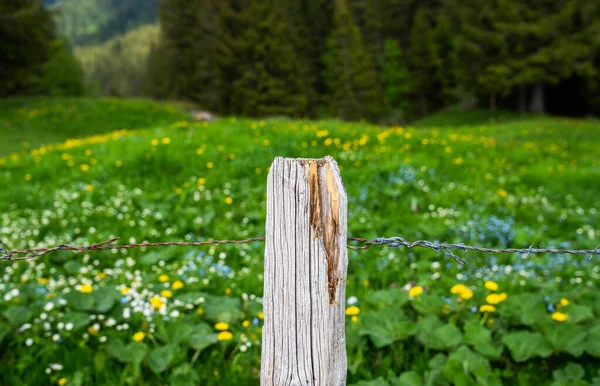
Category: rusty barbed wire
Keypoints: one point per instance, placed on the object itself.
(393, 242)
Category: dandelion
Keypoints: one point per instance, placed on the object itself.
(154, 142)
(42, 281)
(86, 289)
(210, 165)
(222, 326)
(92, 331)
(166, 293)
(27, 177)
(118, 163)
(491, 285)
(354, 318)
(496, 298)
(415, 291)
(125, 290)
(177, 285)
(200, 311)
(84, 167)
(89, 188)
(225, 335)
(139, 336)
(559, 317)
(163, 278)
(156, 302)
(366, 283)
(62, 381)
(246, 323)
(502, 193)
(466, 294)
(458, 288)
(564, 302)
(352, 311)
(228, 200)
(487, 308)
(166, 140)
(261, 315)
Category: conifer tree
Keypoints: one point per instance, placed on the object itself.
(395, 78)
(354, 89)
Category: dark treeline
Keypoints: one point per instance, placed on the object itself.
(381, 60)
(34, 59)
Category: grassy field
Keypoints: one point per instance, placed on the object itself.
(82, 171)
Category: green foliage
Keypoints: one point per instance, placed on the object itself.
(140, 170)
(395, 78)
(118, 67)
(87, 22)
(62, 74)
(349, 72)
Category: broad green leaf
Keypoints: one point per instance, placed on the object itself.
(566, 337)
(388, 297)
(429, 304)
(408, 378)
(134, 352)
(183, 375)
(17, 315)
(571, 375)
(524, 345)
(579, 313)
(223, 309)
(375, 382)
(4, 329)
(79, 319)
(593, 341)
(480, 338)
(465, 367)
(81, 301)
(160, 358)
(105, 299)
(386, 326)
(446, 337)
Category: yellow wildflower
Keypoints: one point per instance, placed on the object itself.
(559, 316)
(246, 323)
(228, 200)
(166, 140)
(92, 330)
(42, 281)
(156, 302)
(261, 315)
(222, 326)
(355, 318)
(118, 163)
(166, 293)
(491, 285)
(155, 142)
(352, 311)
(62, 381)
(163, 278)
(139, 336)
(86, 288)
(125, 290)
(564, 302)
(101, 275)
(225, 335)
(502, 193)
(458, 288)
(210, 165)
(27, 177)
(177, 285)
(487, 308)
(200, 311)
(415, 291)
(227, 291)
(466, 294)
(84, 167)
(495, 298)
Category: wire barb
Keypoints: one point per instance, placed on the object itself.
(393, 242)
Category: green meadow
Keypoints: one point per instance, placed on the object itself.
(81, 171)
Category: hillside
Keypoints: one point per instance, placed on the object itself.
(118, 67)
(139, 170)
(87, 22)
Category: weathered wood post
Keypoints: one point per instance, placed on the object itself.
(305, 274)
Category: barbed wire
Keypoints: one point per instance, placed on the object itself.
(393, 242)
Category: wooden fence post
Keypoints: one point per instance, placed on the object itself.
(305, 274)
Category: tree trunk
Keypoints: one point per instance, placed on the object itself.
(522, 99)
(493, 103)
(537, 98)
